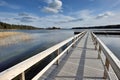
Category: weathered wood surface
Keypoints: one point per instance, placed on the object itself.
(81, 63)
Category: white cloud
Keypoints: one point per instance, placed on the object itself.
(48, 1)
(79, 16)
(85, 14)
(8, 5)
(71, 20)
(61, 20)
(106, 18)
(104, 15)
(50, 10)
(23, 14)
(54, 6)
(18, 18)
(57, 18)
(25, 17)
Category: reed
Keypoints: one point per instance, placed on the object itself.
(8, 38)
(8, 34)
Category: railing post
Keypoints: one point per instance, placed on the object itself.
(99, 52)
(95, 45)
(73, 42)
(67, 51)
(58, 52)
(107, 67)
(94, 40)
(67, 46)
(22, 76)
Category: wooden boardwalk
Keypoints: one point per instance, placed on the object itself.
(80, 64)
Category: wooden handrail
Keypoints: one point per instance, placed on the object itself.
(20, 68)
(110, 57)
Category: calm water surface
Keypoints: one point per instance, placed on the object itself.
(113, 43)
(41, 40)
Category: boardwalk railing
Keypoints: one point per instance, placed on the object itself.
(20, 68)
(110, 58)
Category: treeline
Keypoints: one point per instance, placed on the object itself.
(12, 26)
(99, 27)
(53, 28)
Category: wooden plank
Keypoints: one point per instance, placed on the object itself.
(81, 64)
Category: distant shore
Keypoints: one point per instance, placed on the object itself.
(6, 26)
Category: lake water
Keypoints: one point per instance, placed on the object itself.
(41, 40)
(112, 42)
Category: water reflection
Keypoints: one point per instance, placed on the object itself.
(41, 40)
(112, 42)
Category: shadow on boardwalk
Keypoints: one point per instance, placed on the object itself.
(80, 71)
(81, 63)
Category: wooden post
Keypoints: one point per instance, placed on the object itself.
(67, 51)
(73, 42)
(95, 45)
(67, 46)
(58, 52)
(94, 40)
(77, 37)
(107, 67)
(99, 52)
(22, 76)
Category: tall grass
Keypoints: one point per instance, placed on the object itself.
(8, 34)
(8, 38)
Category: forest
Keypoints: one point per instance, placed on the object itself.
(13, 26)
(99, 27)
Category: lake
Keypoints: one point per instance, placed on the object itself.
(112, 42)
(41, 40)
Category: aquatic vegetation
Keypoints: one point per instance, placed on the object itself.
(8, 34)
(8, 38)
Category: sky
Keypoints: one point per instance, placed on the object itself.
(60, 13)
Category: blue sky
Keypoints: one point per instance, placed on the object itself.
(61, 13)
